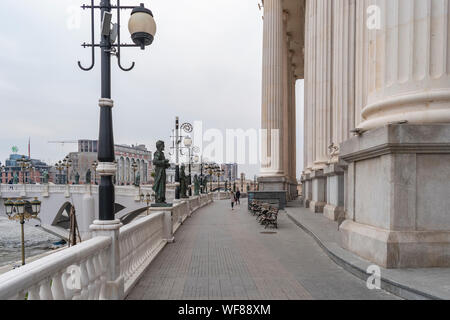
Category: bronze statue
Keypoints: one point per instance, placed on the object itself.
(196, 186)
(161, 164)
(45, 177)
(15, 178)
(204, 185)
(183, 183)
(138, 179)
(88, 176)
(77, 178)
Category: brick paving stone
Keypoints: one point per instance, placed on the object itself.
(222, 254)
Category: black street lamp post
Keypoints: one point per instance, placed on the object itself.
(142, 28)
(186, 127)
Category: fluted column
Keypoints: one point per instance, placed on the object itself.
(272, 90)
(310, 83)
(322, 106)
(292, 125)
(343, 93)
(286, 97)
(409, 64)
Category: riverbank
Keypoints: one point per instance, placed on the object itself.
(37, 242)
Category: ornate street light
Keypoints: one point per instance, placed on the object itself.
(24, 165)
(176, 141)
(60, 167)
(143, 29)
(134, 167)
(142, 26)
(147, 198)
(67, 163)
(16, 210)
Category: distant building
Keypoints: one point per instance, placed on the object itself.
(230, 172)
(124, 155)
(32, 175)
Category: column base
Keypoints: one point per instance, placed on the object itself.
(316, 206)
(398, 200)
(396, 249)
(318, 191)
(274, 183)
(334, 209)
(307, 203)
(333, 213)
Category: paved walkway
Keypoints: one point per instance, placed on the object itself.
(223, 254)
(419, 283)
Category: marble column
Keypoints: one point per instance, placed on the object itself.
(323, 82)
(399, 166)
(343, 102)
(310, 83)
(272, 90)
(318, 74)
(408, 64)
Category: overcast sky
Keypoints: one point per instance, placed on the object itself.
(205, 64)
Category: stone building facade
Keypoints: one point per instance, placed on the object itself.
(376, 120)
(125, 155)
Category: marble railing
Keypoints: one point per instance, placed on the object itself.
(84, 271)
(76, 273)
(139, 243)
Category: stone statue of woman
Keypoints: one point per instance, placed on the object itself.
(15, 178)
(183, 183)
(45, 177)
(196, 186)
(88, 176)
(160, 164)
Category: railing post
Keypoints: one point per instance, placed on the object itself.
(115, 282)
(168, 226)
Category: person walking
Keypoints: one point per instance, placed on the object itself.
(233, 199)
(238, 197)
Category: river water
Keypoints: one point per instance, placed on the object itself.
(36, 241)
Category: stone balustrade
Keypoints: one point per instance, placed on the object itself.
(97, 268)
(75, 273)
(139, 243)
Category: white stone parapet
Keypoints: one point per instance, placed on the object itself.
(104, 267)
(139, 243)
(78, 272)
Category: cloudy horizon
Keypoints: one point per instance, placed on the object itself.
(205, 64)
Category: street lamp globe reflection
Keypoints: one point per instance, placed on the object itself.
(142, 26)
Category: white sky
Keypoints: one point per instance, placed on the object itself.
(205, 64)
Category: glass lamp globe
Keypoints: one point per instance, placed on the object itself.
(36, 206)
(142, 26)
(9, 206)
(188, 141)
(20, 206)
